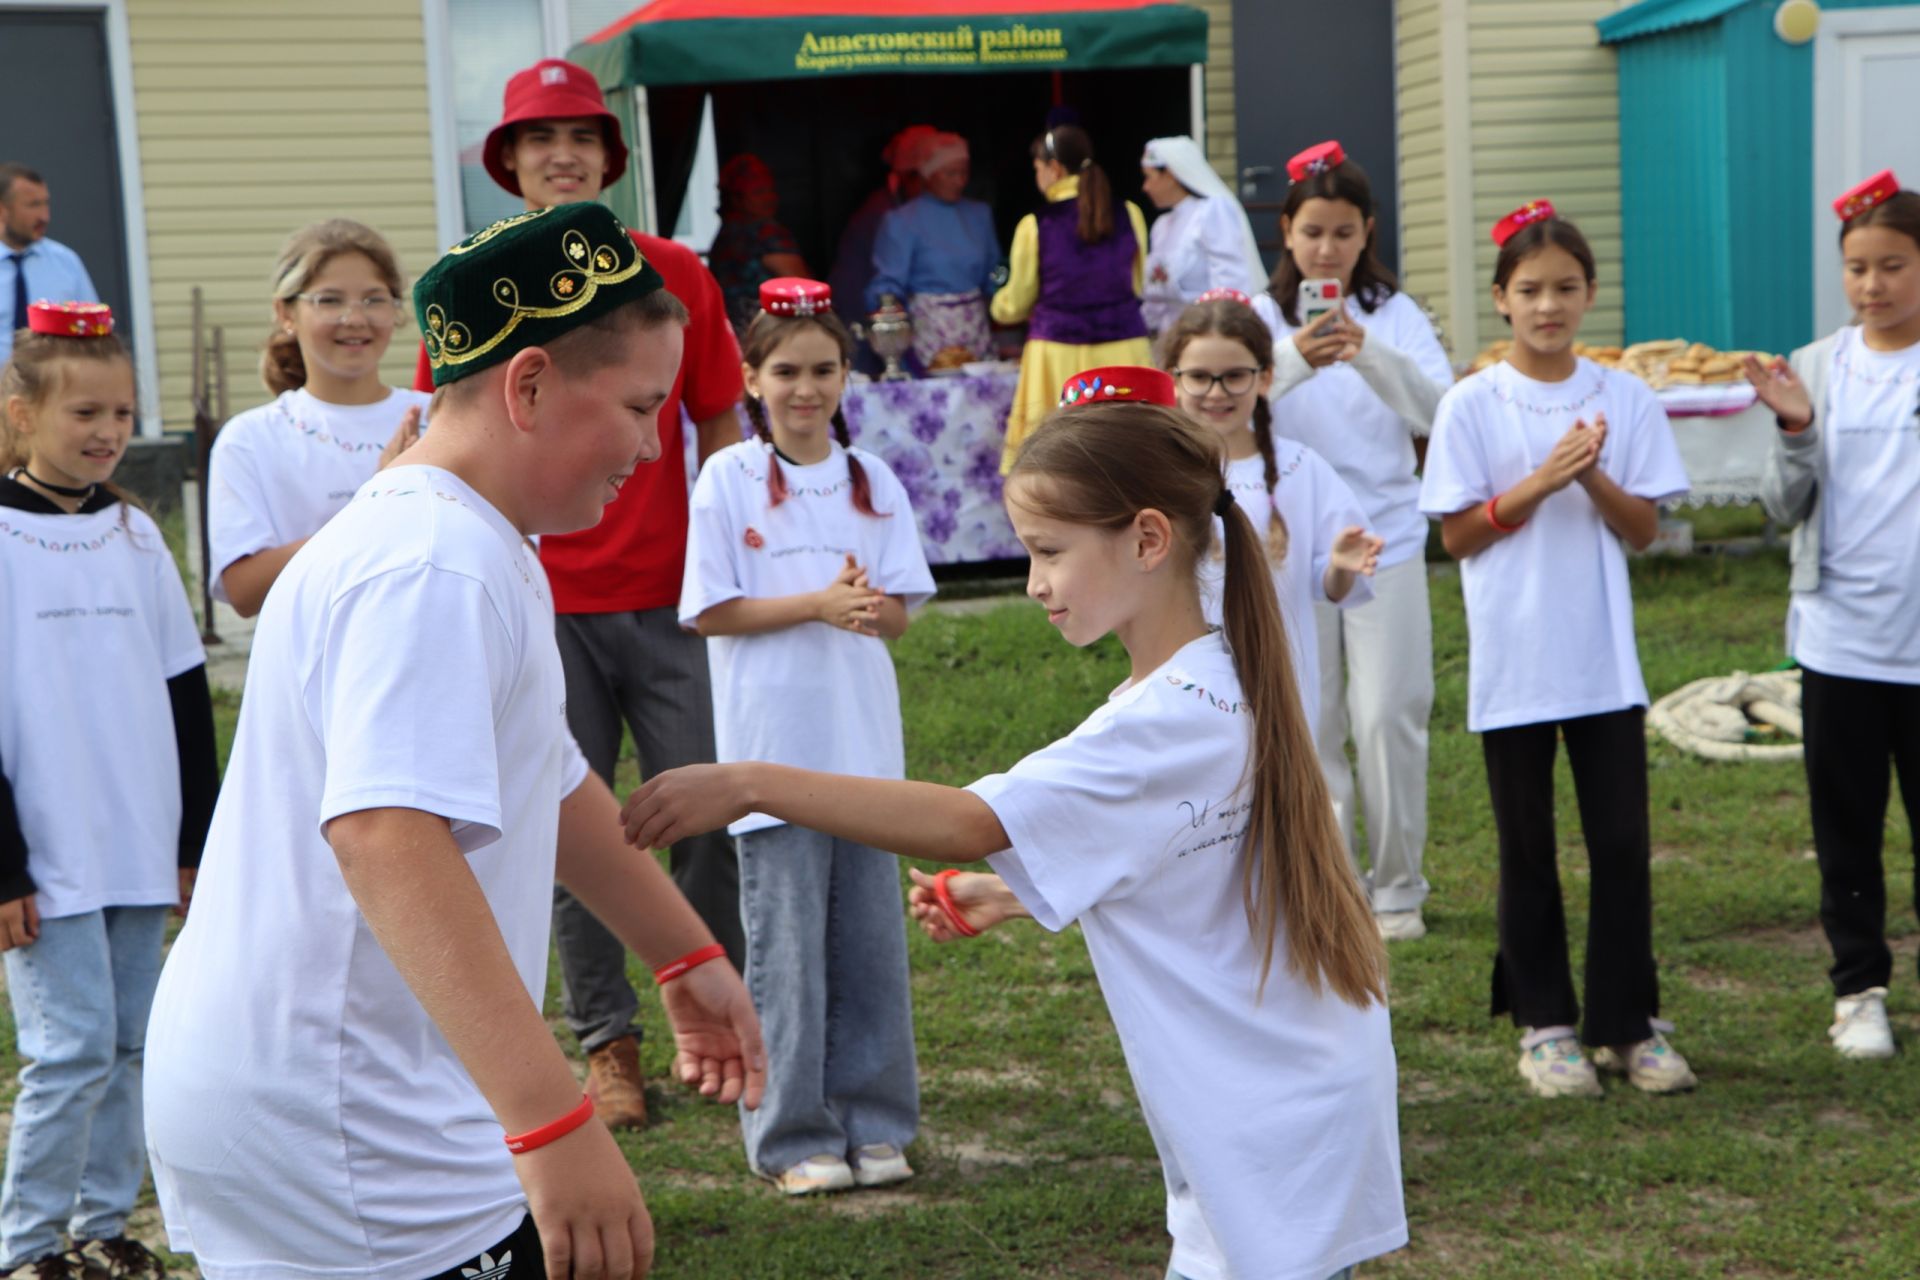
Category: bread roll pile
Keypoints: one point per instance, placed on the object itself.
(1669, 362)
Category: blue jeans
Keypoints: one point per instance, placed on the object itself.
(827, 966)
(80, 995)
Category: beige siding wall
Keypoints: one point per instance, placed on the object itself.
(256, 117)
(1545, 117)
(1221, 146)
(1423, 164)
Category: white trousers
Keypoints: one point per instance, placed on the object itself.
(1376, 681)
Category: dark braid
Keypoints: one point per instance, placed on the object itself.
(776, 478)
(1263, 437)
(862, 491)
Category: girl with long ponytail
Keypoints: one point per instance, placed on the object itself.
(1184, 825)
(803, 557)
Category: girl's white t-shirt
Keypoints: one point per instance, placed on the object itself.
(1549, 610)
(93, 623)
(304, 1115)
(811, 695)
(282, 470)
(1864, 621)
(1197, 245)
(1340, 417)
(1316, 505)
(1273, 1112)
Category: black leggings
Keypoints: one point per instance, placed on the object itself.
(1532, 979)
(1853, 729)
(518, 1257)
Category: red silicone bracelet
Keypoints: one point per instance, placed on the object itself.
(534, 1139)
(693, 959)
(943, 895)
(1494, 520)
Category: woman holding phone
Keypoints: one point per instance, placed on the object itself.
(1358, 372)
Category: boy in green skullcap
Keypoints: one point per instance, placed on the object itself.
(350, 1024)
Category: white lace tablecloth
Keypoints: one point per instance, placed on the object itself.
(1725, 452)
(943, 436)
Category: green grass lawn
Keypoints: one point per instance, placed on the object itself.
(1033, 1159)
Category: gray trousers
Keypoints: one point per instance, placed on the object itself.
(827, 966)
(640, 668)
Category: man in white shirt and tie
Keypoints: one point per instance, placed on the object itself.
(32, 266)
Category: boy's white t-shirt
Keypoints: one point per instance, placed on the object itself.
(811, 695)
(93, 623)
(1316, 505)
(1864, 621)
(1549, 609)
(282, 470)
(1340, 417)
(1274, 1113)
(305, 1117)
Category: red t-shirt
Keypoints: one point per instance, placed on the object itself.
(634, 558)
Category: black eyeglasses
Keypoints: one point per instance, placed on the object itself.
(1198, 383)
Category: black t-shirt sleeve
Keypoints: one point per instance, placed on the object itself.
(15, 882)
(199, 760)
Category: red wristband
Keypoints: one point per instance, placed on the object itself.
(692, 960)
(534, 1139)
(943, 895)
(1494, 520)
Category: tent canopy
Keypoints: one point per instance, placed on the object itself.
(687, 42)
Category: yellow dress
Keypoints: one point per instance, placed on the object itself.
(1046, 366)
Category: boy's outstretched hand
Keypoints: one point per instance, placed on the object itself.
(687, 801)
(716, 1034)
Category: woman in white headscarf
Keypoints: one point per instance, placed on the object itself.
(1202, 239)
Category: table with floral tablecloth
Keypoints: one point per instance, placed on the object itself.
(943, 436)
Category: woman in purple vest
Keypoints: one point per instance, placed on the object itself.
(1075, 273)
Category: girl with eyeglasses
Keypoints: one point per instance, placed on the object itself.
(282, 470)
(1317, 543)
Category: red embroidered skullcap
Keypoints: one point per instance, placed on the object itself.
(1878, 189)
(1316, 159)
(1119, 382)
(1530, 212)
(795, 296)
(71, 319)
(904, 151)
(554, 89)
(1215, 295)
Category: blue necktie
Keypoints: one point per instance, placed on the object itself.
(19, 260)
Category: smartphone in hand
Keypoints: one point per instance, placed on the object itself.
(1317, 299)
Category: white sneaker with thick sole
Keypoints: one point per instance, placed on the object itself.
(1860, 1027)
(879, 1164)
(1400, 926)
(816, 1175)
(1651, 1066)
(1553, 1065)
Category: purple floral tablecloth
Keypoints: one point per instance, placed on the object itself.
(943, 436)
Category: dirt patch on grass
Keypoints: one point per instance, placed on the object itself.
(1799, 940)
(1718, 983)
(1014, 1077)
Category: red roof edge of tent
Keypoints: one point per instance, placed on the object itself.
(690, 10)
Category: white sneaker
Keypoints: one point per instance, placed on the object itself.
(1400, 926)
(1652, 1066)
(1860, 1027)
(1554, 1067)
(879, 1164)
(816, 1174)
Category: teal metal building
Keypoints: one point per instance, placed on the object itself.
(1716, 172)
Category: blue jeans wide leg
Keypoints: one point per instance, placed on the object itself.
(826, 964)
(81, 995)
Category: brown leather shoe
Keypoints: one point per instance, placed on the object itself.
(615, 1085)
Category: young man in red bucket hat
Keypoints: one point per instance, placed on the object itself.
(616, 586)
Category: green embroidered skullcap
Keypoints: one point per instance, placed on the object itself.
(523, 282)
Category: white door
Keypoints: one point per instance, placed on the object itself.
(1866, 97)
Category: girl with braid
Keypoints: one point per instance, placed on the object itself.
(1220, 354)
(803, 557)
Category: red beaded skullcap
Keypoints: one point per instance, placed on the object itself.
(1215, 295)
(1316, 159)
(1530, 212)
(1878, 189)
(795, 296)
(1118, 382)
(71, 319)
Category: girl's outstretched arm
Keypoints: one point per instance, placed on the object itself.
(913, 819)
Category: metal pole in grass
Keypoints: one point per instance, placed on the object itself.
(203, 429)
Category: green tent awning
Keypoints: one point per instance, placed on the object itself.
(685, 42)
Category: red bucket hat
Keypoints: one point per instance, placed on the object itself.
(554, 89)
